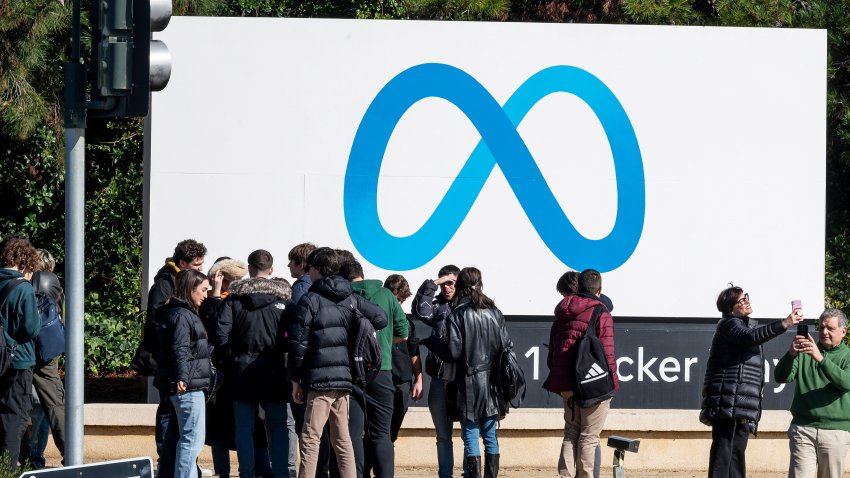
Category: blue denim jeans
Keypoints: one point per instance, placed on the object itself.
(190, 410)
(40, 432)
(442, 425)
(470, 431)
(278, 434)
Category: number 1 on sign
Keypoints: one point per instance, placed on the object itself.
(536, 352)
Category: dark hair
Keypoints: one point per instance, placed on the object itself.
(17, 251)
(324, 260)
(590, 281)
(448, 269)
(351, 270)
(185, 283)
(398, 285)
(299, 253)
(469, 284)
(727, 299)
(188, 250)
(568, 283)
(222, 258)
(261, 259)
(344, 255)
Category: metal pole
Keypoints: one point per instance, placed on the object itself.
(75, 185)
(75, 172)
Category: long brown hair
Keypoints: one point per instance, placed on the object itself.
(469, 285)
(185, 283)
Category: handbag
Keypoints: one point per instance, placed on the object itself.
(216, 381)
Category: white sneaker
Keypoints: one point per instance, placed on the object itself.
(205, 471)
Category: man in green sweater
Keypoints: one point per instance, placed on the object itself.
(380, 393)
(820, 429)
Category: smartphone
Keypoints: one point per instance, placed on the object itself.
(803, 329)
(796, 305)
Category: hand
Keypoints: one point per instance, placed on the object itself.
(181, 387)
(794, 318)
(445, 278)
(808, 346)
(217, 279)
(297, 393)
(418, 389)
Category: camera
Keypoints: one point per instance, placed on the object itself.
(624, 444)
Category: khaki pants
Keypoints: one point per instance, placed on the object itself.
(817, 449)
(582, 427)
(322, 406)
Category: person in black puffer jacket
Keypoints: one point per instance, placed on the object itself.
(183, 359)
(732, 390)
(318, 361)
(251, 324)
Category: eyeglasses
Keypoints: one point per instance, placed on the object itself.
(744, 300)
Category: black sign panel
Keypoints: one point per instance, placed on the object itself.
(661, 362)
(129, 468)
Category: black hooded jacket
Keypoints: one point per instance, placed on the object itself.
(318, 347)
(250, 326)
(144, 362)
(184, 351)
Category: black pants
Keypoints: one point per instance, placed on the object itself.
(15, 407)
(728, 446)
(401, 400)
(380, 399)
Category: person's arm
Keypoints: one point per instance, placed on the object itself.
(29, 321)
(423, 302)
(400, 330)
(786, 368)
(417, 390)
(454, 345)
(837, 373)
(606, 336)
(223, 323)
(299, 335)
(734, 331)
(181, 338)
(372, 312)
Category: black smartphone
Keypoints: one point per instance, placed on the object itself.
(803, 329)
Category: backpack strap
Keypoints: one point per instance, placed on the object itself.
(591, 326)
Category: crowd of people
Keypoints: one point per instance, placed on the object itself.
(244, 360)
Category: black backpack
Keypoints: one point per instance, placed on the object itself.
(594, 380)
(364, 349)
(6, 354)
(509, 379)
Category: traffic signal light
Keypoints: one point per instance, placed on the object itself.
(127, 64)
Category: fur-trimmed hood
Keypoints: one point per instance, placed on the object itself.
(276, 287)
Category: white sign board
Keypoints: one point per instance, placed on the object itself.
(672, 159)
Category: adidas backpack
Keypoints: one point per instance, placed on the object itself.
(594, 381)
(364, 349)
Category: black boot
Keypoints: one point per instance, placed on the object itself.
(491, 465)
(472, 467)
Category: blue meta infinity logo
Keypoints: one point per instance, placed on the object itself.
(500, 143)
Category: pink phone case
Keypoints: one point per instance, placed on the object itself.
(796, 305)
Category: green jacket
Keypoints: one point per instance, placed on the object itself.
(21, 322)
(373, 291)
(821, 398)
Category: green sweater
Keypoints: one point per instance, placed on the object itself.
(373, 291)
(820, 396)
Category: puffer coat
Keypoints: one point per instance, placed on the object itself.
(734, 376)
(184, 352)
(318, 347)
(250, 326)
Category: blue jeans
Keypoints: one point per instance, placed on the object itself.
(40, 432)
(442, 425)
(470, 431)
(190, 410)
(278, 434)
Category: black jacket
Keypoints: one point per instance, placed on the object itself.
(403, 354)
(734, 376)
(476, 337)
(318, 346)
(433, 310)
(184, 352)
(250, 325)
(162, 289)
